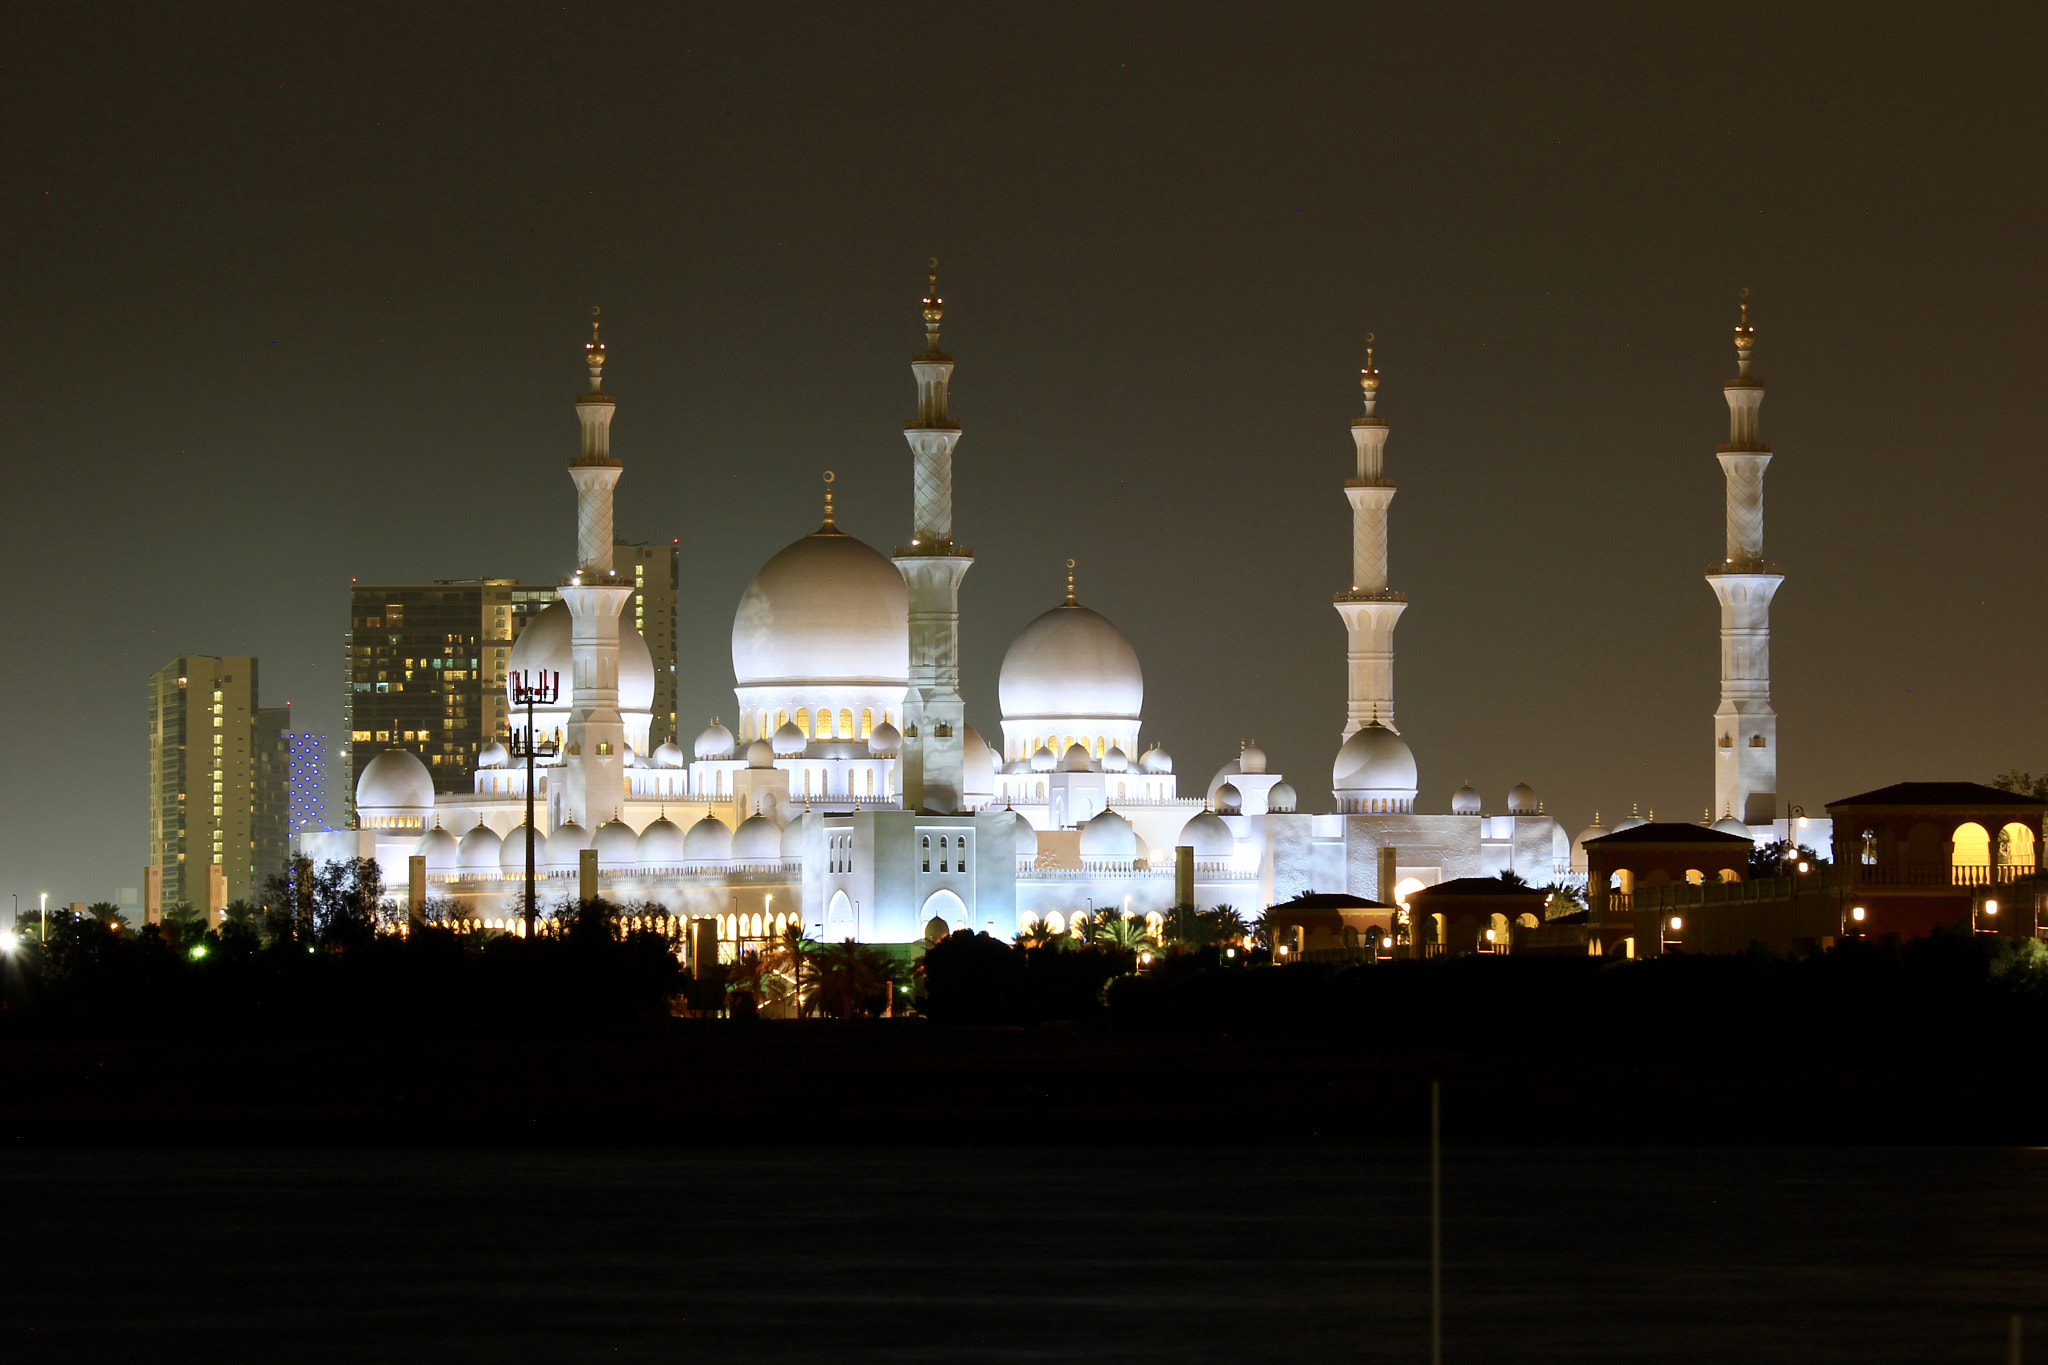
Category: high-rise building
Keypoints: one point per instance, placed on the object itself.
(656, 570)
(426, 670)
(306, 780)
(216, 787)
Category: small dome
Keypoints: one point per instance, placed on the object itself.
(512, 852)
(757, 840)
(1374, 760)
(545, 646)
(493, 755)
(478, 851)
(1629, 823)
(1156, 760)
(979, 765)
(1109, 835)
(1731, 825)
(715, 742)
(618, 847)
(1016, 765)
(1252, 760)
(565, 847)
(1281, 800)
(669, 756)
(1229, 800)
(793, 835)
(708, 841)
(1025, 835)
(395, 780)
(632, 759)
(760, 755)
(438, 847)
(1043, 761)
(661, 844)
(1465, 800)
(1521, 799)
(1209, 837)
(1076, 760)
(1592, 831)
(789, 741)
(885, 740)
(1116, 761)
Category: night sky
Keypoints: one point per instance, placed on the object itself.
(298, 293)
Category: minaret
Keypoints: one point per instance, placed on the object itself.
(1745, 726)
(1371, 609)
(594, 748)
(934, 719)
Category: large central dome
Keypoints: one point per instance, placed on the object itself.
(1071, 662)
(829, 609)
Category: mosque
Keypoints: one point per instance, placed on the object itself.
(850, 794)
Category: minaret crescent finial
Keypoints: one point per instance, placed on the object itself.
(593, 352)
(934, 310)
(828, 501)
(1369, 377)
(1070, 584)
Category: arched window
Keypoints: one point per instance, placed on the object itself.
(1041, 791)
(1119, 791)
(2016, 846)
(871, 782)
(781, 719)
(1972, 846)
(1056, 922)
(846, 722)
(867, 721)
(803, 720)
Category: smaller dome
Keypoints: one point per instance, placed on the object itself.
(760, 755)
(1156, 760)
(1076, 760)
(478, 851)
(395, 779)
(618, 847)
(1016, 765)
(565, 847)
(512, 852)
(1109, 835)
(1210, 838)
(439, 848)
(1595, 830)
(493, 755)
(1116, 761)
(885, 740)
(1025, 835)
(715, 742)
(1229, 800)
(632, 760)
(1252, 760)
(661, 843)
(1629, 823)
(1043, 761)
(1731, 825)
(793, 835)
(1281, 800)
(708, 841)
(668, 756)
(1521, 799)
(757, 840)
(1465, 800)
(789, 741)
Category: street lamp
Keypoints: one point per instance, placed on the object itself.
(544, 690)
(46, 914)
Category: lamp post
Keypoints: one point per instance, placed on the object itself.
(544, 690)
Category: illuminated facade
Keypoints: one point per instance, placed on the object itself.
(217, 787)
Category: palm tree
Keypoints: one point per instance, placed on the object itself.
(1126, 933)
(1036, 933)
(854, 980)
(1229, 925)
(743, 974)
(183, 922)
(1263, 929)
(1187, 927)
(784, 960)
(1559, 899)
(108, 915)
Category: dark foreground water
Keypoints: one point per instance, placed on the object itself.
(1056, 1253)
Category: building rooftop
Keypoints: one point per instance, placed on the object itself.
(1668, 832)
(1479, 886)
(1939, 794)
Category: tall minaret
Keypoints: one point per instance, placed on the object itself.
(1745, 726)
(594, 748)
(1371, 609)
(934, 718)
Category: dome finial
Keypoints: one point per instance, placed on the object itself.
(1070, 584)
(828, 508)
(593, 352)
(1369, 377)
(1745, 337)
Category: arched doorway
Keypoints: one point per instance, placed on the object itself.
(839, 923)
(2016, 848)
(943, 907)
(1970, 856)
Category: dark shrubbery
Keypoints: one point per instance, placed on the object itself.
(975, 979)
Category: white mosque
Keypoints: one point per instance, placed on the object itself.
(851, 795)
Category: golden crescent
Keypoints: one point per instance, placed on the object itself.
(1369, 336)
(828, 476)
(1745, 293)
(1070, 563)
